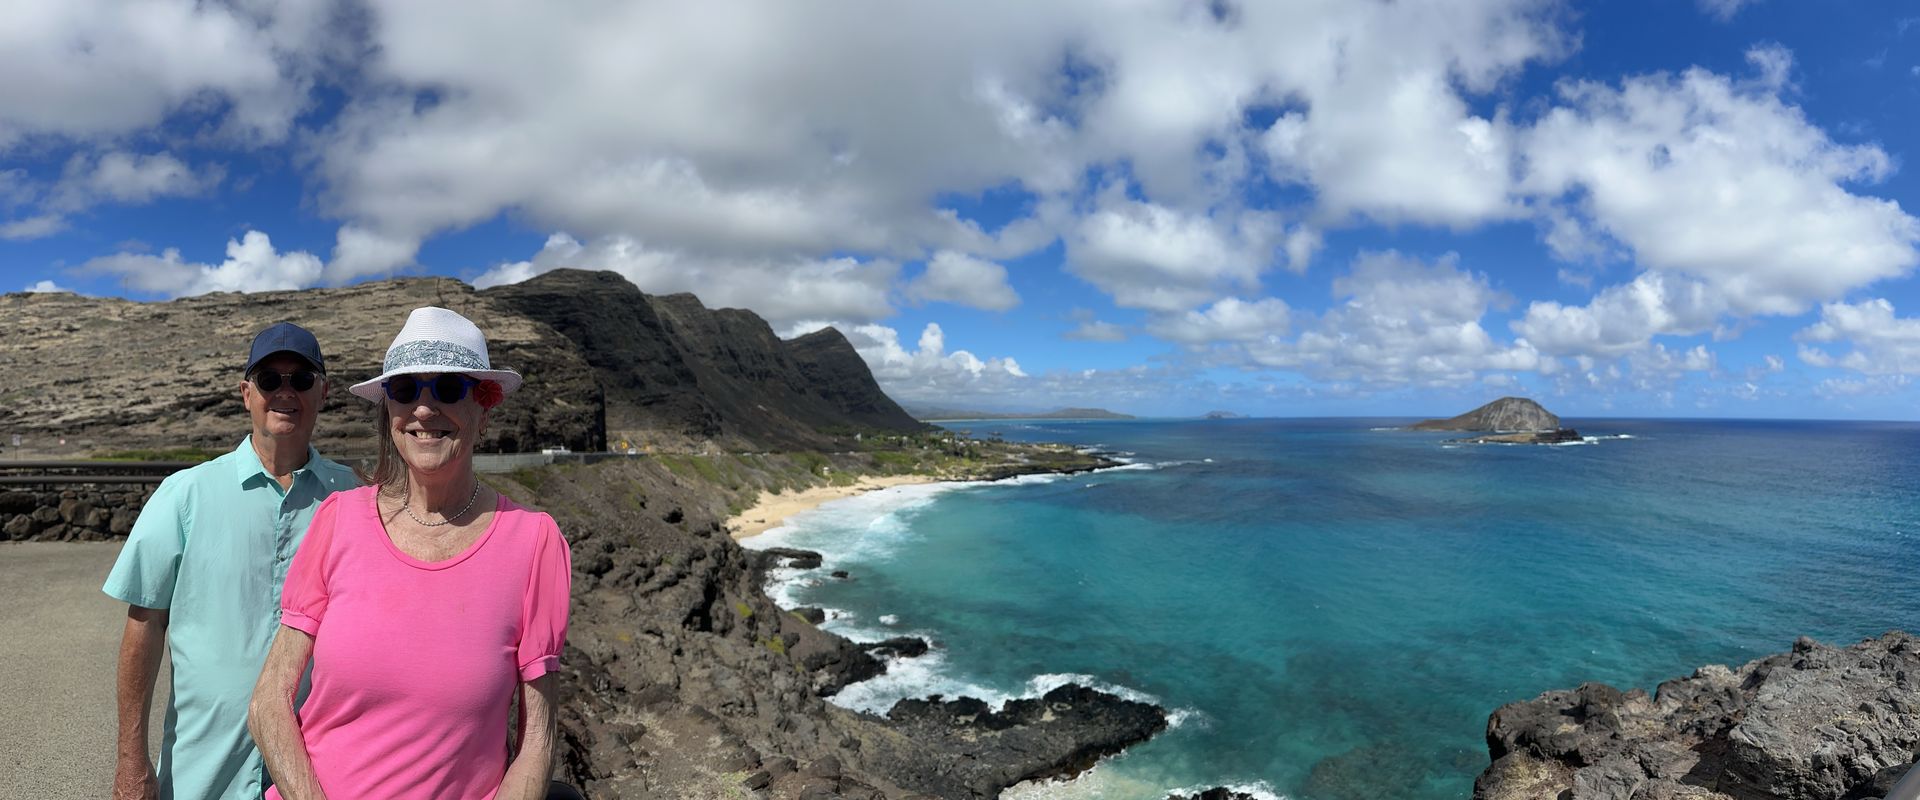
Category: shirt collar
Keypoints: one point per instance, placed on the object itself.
(246, 462)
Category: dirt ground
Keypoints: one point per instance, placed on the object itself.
(58, 639)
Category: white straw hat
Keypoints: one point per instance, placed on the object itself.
(437, 340)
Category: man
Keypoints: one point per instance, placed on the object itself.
(201, 574)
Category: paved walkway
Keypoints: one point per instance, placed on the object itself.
(58, 639)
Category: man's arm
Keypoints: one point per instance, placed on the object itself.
(532, 766)
(271, 720)
(140, 645)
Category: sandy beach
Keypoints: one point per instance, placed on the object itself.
(773, 509)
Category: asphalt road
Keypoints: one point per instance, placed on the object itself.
(58, 639)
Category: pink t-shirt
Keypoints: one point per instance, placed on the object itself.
(414, 663)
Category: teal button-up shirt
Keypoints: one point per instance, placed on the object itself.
(212, 547)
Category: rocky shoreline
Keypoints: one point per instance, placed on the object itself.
(685, 680)
(1817, 722)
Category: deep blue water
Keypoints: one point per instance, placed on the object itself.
(1334, 610)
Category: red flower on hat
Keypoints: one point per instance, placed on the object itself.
(488, 394)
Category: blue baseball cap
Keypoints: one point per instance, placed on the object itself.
(286, 337)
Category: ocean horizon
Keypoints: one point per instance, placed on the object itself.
(1330, 608)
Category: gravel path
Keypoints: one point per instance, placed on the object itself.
(58, 639)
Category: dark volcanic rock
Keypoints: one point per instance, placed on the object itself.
(1816, 723)
(1215, 793)
(1557, 436)
(795, 558)
(898, 647)
(1504, 414)
(1057, 735)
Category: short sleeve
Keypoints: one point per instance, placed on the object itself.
(303, 600)
(543, 616)
(149, 563)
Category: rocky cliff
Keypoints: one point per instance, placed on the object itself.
(683, 680)
(1504, 414)
(604, 363)
(1815, 723)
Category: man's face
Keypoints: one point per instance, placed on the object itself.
(285, 413)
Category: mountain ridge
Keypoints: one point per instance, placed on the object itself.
(605, 364)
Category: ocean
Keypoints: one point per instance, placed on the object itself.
(1330, 608)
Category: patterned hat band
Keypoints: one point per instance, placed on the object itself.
(436, 340)
(432, 353)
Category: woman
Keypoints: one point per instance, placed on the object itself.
(424, 601)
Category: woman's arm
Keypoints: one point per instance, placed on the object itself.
(270, 716)
(532, 766)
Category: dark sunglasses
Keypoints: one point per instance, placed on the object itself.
(448, 388)
(269, 381)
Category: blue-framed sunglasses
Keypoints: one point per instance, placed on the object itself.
(448, 388)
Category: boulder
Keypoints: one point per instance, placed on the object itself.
(1815, 722)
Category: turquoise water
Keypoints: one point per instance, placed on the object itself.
(1332, 611)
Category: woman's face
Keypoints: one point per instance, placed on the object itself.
(432, 435)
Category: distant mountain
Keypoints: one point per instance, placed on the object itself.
(1222, 415)
(1507, 414)
(604, 363)
(932, 414)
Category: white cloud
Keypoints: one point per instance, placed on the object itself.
(1697, 175)
(749, 146)
(959, 278)
(1402, 322)
(129, 178)
(784, 291)
(252, 265)
(98, 69)
(1724, 10)
(1149, 256)
(1094, 330)
(46, 286)
(1621, 319)
(929, 372)
(1883, 343)
(358, 253)
(1228, 320)
(34, 227)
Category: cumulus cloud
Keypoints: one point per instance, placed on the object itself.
(359, 253)
(34, 227)
(94, 69)
(46, 286)
(1149, 256)
(761, 152)
(961, 279)
(1228, 320)
(1700, 176)
(252, 265)
(130, 178)
(928, 372)
(1883, 343)
(784, 291)
(1623, 318)
(1402, 322)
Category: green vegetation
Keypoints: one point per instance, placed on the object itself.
(531, 477)
(169, 454)
(743, 610)
(777, 645)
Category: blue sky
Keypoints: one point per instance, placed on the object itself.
(1671, 208)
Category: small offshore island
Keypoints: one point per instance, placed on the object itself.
(1508, 420)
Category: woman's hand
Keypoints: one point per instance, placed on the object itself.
(532, 768)
(271, 719)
